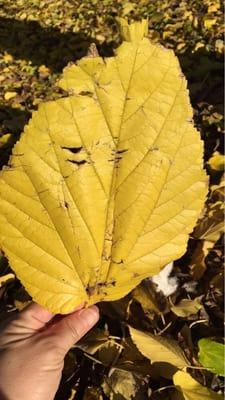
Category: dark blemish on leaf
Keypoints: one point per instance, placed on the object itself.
(18, 154)
(153, 149)
(81, 162)
(73, 150)
(118, 262)
(135, 275)
(121, 151)
(43, 191)
(90, 290)
(66, 204)
(85, 93)
(78, 250)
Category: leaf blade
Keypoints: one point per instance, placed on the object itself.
(101, 193)
(211, 355)
(193, 390)
(159, 349)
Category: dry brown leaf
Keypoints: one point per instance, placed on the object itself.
(187, 307)
(120, 383)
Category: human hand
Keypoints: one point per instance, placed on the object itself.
(32, 351)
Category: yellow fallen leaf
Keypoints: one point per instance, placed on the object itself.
(43, 70)
(193, 390)
(209, 22)
(4, 139)
(213, 7)
(128, 7)
(181, 46)
(9, 95)
(105, 185)
(199, 45)
(6, 278)
(20, 305)
(187, 307)
(217, 162)
(72, 395)
(219, 46)
(159, 349)
(143, 296)
(8, 58)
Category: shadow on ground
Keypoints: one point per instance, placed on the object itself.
(30, 41)
(11, 120)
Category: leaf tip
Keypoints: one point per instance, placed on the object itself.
(134, 32)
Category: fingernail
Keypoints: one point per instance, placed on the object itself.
(91, 314)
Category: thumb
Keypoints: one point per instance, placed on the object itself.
(71, 328)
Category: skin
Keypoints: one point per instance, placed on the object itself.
(33, 347)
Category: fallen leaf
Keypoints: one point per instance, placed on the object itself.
(143, 295)
(159, 349)
(9, 95)
(217, 162)
(92, 393)
(190, 389)
(209, 22)
(187, 307)
(72, 395)
(5, 139)
(211, 355)
(43, 71)
(120, 383)
(213, 7)
(94, 341)
(6, 279)
(8, 58)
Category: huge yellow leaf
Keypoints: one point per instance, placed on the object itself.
(190, 389)
(104, 185)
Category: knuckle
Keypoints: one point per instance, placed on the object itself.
(74, 330)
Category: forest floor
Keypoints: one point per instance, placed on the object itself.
(37, 40)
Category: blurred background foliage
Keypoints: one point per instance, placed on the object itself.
(37, 39)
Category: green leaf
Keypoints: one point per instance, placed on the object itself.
(211, 355)
(105, 185)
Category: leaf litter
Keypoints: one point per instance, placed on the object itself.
(194, 30)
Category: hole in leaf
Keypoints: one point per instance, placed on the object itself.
(77, 162)
(73, 150)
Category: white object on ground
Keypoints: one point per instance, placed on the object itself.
(166, 284)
